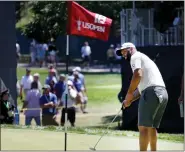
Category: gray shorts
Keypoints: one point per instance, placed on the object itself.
(152, 105)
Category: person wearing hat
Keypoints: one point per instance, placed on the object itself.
(71, 100)
(7, 110)
(80, 96)
(60, 87)
(36, 77)
(48, 103)
(147, 83)
(26, 83)
(83, 88)
(110, 57)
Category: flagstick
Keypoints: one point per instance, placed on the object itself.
(67, 62)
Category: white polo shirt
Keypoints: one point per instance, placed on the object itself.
(86, 50)
(151, 74)
(26, 81)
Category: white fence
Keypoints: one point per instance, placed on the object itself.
(138, 27)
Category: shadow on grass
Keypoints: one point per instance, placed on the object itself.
(108, 119)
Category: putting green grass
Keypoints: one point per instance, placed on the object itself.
(26, 139)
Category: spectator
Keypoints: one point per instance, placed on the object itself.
(33, 52)
(32, 102)
(6, 115)
(26, 83)
(117, 58)
(84, 89)
(51, 67)
(41, 54)
(60, 87)
(71, 113)
(86, 54)
(51, 77)
(52, 86)
(78, 86)
(18, 88)
(52, 57)
(48, 103)
(36, 77)
(18, 51)
(110, 57)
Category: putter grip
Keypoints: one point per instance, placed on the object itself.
(122, 108)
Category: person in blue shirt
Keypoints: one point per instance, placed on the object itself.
(51, 77)
(60, 87)
(48, 103)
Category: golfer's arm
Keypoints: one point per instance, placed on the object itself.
(136, 78)
(136, 95)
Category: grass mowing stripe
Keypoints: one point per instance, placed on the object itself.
(98, 131)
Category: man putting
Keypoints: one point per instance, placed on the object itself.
(147, 83)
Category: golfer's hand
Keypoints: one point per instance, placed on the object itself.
(126, 103)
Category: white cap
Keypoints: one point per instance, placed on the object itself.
(36, 75)
(77, 69)
(124, 46)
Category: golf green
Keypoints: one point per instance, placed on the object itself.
(17, 139)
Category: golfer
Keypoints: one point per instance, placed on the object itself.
(147, 83)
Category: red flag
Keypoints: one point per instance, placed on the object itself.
(85, 23)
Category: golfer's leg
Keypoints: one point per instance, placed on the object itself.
(143, 138)
(161, 101)
(145, 112)
(153, 138)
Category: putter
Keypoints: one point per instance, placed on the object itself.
(94, 148)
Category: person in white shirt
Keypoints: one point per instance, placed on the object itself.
(147, 83)
(71, 113)
(26, 83)
(86, 54)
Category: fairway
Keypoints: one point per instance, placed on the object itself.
(17, 139)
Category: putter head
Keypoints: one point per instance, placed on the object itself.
(93, 149)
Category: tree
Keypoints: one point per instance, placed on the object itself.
(50, 18)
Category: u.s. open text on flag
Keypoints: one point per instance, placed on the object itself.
(85, 23)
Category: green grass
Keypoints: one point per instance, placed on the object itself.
(94, 82)
(99, 131)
